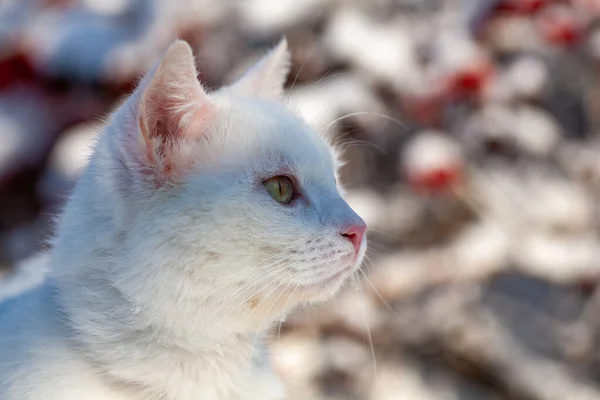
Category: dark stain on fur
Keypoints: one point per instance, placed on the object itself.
(212, 256)
(254, 302)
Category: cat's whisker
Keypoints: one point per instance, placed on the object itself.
(270, 267)
(245, 294)
(285, 307)
(385, 234)
(298, 74)
(273, 269)
(368, 113)
(378, 294)
(301, 68)
(374, 246)
(356, 142)
(368, 264)
(327, 76)
(258, 264)
(359, 292)
(344, 137)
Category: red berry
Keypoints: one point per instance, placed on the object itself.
(436, 179)
(521, 6)
(560, 26)
(470, 80)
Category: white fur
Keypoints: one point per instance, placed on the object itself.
(161, 288)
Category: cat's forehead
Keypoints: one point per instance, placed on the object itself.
(279, 138)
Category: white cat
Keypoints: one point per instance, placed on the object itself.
(200, 219)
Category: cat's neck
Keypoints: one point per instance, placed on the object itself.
(152, 347)
(147, 360)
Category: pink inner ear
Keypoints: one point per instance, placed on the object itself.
(168, 108)
(167, 129)
(172, 113)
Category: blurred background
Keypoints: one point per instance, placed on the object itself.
(471, 130)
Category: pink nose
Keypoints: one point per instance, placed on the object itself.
(355, 233)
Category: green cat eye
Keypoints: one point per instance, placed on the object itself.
(280, 188)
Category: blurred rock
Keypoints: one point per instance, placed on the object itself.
(594, 44)
(385, 52)
(404, 213)
(25, 119)
(528, 77)
(347, 355)
(271, 19)
(298, 358)
(565, 207)
(395, 382)
(403, 274)
(491, 129)
(525, 128)
(537, 132)
(480, 251)
(559, 258)
(66, 162)
(581, 162)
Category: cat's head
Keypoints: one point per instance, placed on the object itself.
(226, 197)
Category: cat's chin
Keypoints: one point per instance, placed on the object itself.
(326, 289)
(262, 308)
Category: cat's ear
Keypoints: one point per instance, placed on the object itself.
(172, 108)
(266, 78)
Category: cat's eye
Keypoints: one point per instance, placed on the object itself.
(281, 188)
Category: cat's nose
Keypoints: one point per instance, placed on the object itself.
(355, 232)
